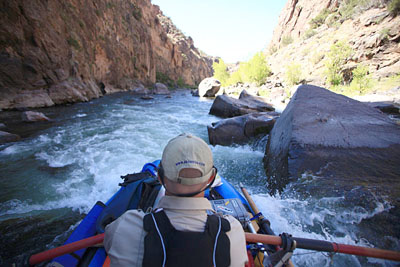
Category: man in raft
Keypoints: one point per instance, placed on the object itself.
(179, 232)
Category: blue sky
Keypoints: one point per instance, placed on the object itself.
(232, 29)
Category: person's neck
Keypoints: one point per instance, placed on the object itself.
(167, 193)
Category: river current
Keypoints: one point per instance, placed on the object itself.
(51, 179)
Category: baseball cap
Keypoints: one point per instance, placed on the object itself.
(187, 151)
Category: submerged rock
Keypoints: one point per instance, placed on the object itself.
(6, 137)
(147, 97)
(330, 135)
(208, 87)
(32, 116)
(227, 107)
(240, 129)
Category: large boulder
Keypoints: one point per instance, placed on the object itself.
(209, 87)
(139, 89)
(227, 107)
(32, 116)
(6, 137)
(341, 141)
(160, 89)
(241, 129)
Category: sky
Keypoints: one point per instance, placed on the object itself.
(231, 29)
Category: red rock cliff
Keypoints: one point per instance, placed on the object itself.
(54, 52)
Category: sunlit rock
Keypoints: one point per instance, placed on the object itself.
(330, 135)
(209, 87)
(32, 116)
(227, 107)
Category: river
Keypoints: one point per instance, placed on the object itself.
(51, 179)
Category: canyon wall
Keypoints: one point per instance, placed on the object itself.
(56, 52)
(367, 27)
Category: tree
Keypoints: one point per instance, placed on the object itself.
(220, 72)
(336, 59)
(256, 70)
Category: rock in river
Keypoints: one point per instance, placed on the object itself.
(160, 89)
(240, 129)
(32, 116)
(227, 107)
(6, 137)
(209, 87)
(341, 141)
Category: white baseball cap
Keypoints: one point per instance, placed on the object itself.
(187, 151)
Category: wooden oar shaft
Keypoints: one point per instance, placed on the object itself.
(65, 249)
(326, 246)
(250, 201)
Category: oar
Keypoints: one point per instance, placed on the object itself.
(65, 249)
(319, 245)
(261, 220)
(304, 243)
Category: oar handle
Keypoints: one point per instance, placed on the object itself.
(65, 249)
(326, 246)
(250, 201)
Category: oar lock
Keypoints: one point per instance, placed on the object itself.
(288, 243)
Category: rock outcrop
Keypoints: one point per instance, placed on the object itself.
(368, 28)
(327, 135)
(55, 52)
(227, 107)
(241, 129)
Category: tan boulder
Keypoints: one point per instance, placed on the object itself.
(33, 116)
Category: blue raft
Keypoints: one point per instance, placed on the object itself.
(138, 191)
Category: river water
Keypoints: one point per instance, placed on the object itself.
(49, 180)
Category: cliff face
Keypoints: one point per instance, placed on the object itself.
(54, 52)
(369, 29)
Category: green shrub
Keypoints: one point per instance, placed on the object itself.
(316, 58)
(394, 7)
(74, 43)
(180, 83)
(272, 49)
(110, 5)
(362, 81)
(220, 72)
(137, 13)
(309, 33)
(337, 58)
(384, 34)
(347, 9)
(320, 18)
(293, 74)
(164, 78)
(286, 40)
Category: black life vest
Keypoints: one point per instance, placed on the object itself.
(185, 248)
